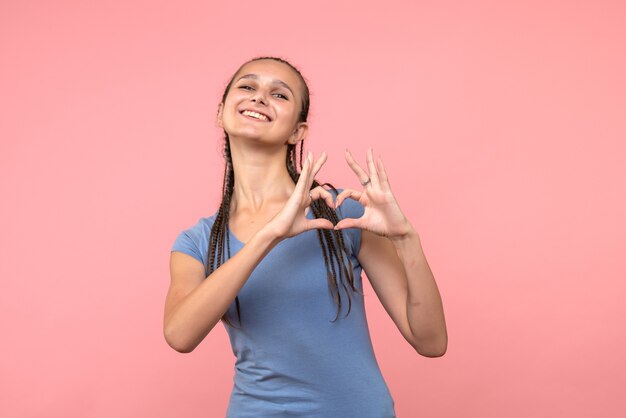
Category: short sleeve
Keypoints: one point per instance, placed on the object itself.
(351, 209)
(185, 244)
(194, 241)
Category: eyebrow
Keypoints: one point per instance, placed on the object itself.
(275, 81)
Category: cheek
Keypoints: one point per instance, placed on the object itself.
(288, 112)
(234, 95)
(230, 105)
(229, 101)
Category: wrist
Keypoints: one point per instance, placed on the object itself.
(268, 235)
(409, 248)
(407, 243)
(409, 234)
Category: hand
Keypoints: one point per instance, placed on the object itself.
(382, 214)
(292, 220)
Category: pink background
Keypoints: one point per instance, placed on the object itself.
(503, 128)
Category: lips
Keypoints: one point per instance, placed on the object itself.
(256, 111)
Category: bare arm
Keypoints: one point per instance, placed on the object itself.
(392, 256)
(423, 301)
(195, 304)
(400, 276)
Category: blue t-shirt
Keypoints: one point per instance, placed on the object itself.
(291, 360)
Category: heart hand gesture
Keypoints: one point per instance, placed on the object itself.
(382, 214)
(292, 220)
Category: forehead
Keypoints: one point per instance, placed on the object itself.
(270, 70)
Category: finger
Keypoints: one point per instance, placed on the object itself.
(361, 174)
(347, 193)
(382, 174)
(308, 177)
(349, 223)
(372, 167)
(320, 193)
(311, 177)
(319, 223)
(316, 168)
(301, 185)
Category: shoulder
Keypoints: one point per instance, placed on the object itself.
(194, 240)
(201, 227)
(199, 231)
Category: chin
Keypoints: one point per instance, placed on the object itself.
(256, 135)
(253, 138)
(246, 134)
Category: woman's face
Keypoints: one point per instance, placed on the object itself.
(263, 103)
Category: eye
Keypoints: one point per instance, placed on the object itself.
(281, 96)
(245, 87)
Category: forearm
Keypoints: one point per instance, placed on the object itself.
(196, 314)
(424, 305)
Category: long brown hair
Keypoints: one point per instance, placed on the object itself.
(334, 250)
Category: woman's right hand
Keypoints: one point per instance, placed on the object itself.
(292, 220)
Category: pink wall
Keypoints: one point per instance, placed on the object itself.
(503, 128)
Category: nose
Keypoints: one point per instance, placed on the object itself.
(259, 98)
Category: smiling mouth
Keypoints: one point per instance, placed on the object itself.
(255, 115)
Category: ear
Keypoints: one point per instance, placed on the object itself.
(299, 133)
(220, 113)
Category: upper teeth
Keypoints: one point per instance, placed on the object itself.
(255, 115)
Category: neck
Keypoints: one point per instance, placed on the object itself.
(261, 177)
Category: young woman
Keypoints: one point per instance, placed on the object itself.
(280, 263)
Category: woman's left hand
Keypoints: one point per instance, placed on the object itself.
(382, 214)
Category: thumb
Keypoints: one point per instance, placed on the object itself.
(319, 223)
(348, 223)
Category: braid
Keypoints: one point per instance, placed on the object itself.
(331, 241)
(220, 232)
